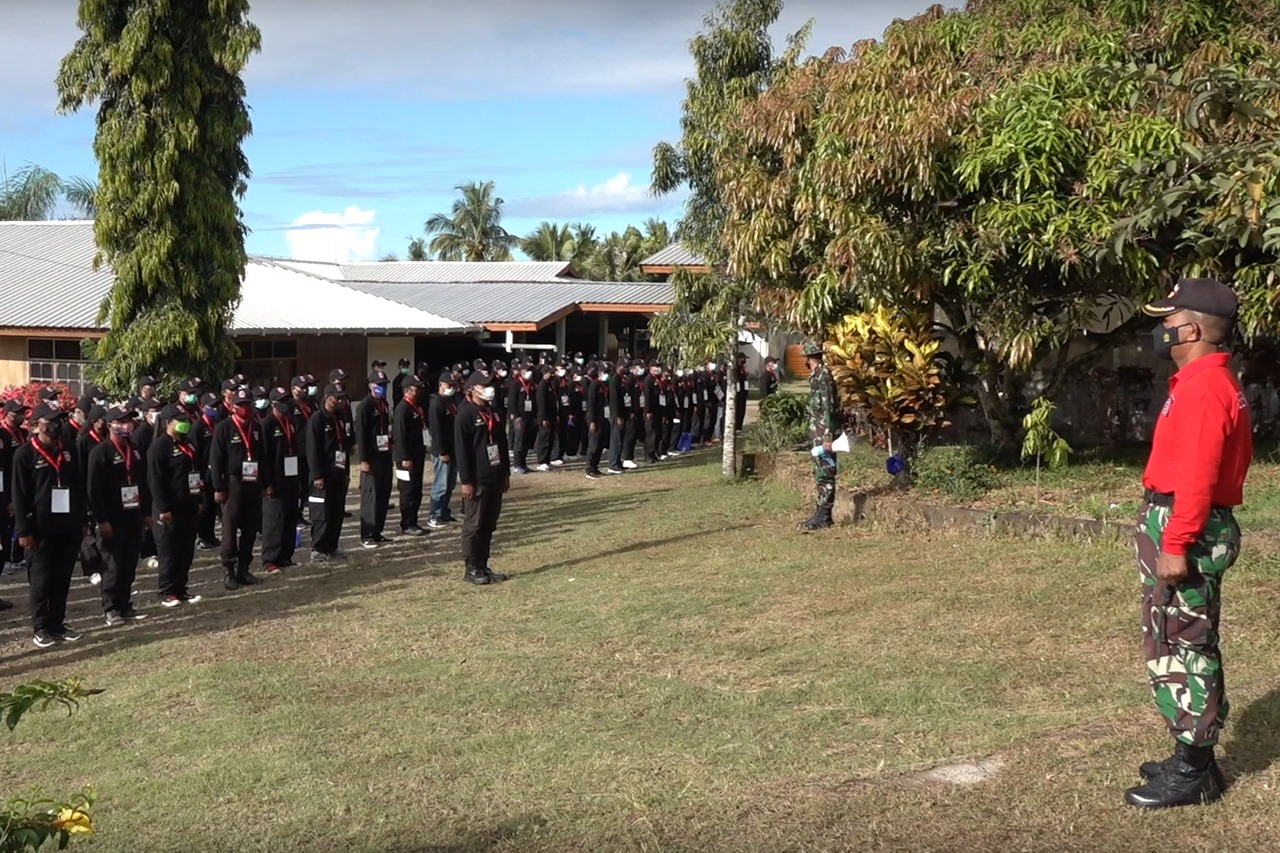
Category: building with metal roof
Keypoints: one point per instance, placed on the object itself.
(674, 257)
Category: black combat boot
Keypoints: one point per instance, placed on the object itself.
(475, 574)
(1189, 777)
(246, 577)
(230, 581)
(811, 520)
(821, 519)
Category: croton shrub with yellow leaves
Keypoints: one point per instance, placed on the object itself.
(892, 374)
(31, 823)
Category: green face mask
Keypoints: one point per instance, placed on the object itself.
(189, 399)
(404, 371)
(182, 427)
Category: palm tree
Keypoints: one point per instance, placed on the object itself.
(657, 236)
(30, 193)
(551, 242)
(473, 232)
(619, 255)
(418, 250)
(82, 193)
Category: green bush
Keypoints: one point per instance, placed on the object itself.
(783, 423)
(956, 471)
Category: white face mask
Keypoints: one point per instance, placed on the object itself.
(502, 374)
(560, 372)
(447, 391)
(311, 390)
(679, 374)
(711, 368)
(487, 393)
(528, 374)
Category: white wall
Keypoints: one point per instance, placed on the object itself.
(390, 350)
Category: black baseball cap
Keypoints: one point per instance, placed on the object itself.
(446, 378)
(49, 393)
(15, 405)
(209, 400)
(335, 390)
(147, 405)
(337, 375)
(147, 380)
(476, 380)
(230, 385)
(174, 412)
(195, 383)
(120, 413)
(412, 381)
(278, 394)
(378, 377)
(298, 382)
(97, 413)
(1204, 295)
(242, 396)
(378, 364)
(45, 412)
(404, 362)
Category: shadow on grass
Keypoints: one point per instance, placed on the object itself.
(1254, 743)
(635, 546)
(527, 517)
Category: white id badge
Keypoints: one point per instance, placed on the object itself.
(402, 475)
(1, 481)
(719, 394)
(340, 458)
(564, 400)
(249, 472)
(426, 439)
(662, 399)
(291, 466)
(193, 483)
(495, 454)
(584, 405)
(704, 396)
(606, 412)
(528, 405)
(130, 497)
(61, 501)
(383, 443)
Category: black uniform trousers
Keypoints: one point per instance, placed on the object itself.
(479, 520)
(49, 576)
(241, 522)
(410, 494)
(740, 410)
(652, 437)
(375, 496)
(615, 445)
(328, 506)
(522, 431)
(280, 524)
(90, 554)
(634, 430)
(7, 545)
(120, 553)
(596, 441)
(209, 511)
(176, 548)
(545, 444)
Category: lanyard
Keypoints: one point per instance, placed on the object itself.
(97, 439)
(288, 430)
(414, 405)
(244, 436)
(528, 387)
(187, 449)
(208, 422)
(382, 414)
(14, 431)
(55, 460)
(453, 407)
(490, 422)
(127, 453)
(337, 427)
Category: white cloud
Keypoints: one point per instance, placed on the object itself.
(351, 235)
(616, 195)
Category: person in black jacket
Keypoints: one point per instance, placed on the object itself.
(12, 436)
(524, 420)
(282, 435)
(377, 470)
(397, 384)
(409, 439)
(143, 434)
(440, 419)
(651, 388)
(327, 443)
(769, 379)
(547, 415)
(743, 379)
(49, 518)
(636, 423)
(119, 499)
(176, 485)
(202, 438)
(619, 412)
(93, 434)
(597, 416)
(238, 467)
(480, 446)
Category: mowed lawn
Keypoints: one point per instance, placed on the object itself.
(672, 667)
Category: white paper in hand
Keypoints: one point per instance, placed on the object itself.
(843, 444)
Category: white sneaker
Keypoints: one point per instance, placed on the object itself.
(153, 563)
(95, 579)
(193, 599)
(629, 465)
(543, 468)
(557, 462)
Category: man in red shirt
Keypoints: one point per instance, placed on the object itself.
(1187, 537)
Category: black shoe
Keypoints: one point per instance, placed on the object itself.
(476, 576)
(6, 604)
(413, 531)
(209, 546)
(821, 520)
(231, 582)
(1152, 770)
(1191, 777)
(248, 578)
(494, 577)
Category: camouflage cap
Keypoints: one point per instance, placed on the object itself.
(812, 349)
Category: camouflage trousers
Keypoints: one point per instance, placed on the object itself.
(1180, 626)
(824, 474)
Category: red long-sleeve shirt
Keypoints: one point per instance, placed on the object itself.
(1201, 449)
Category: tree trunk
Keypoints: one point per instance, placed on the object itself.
(729, 458)
(997, 408)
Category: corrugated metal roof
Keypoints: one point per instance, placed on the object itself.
(441, 272)
(47, 281)
(675, 255)
(47, 277)
(515, 302)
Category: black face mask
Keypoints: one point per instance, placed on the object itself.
(1165, 339)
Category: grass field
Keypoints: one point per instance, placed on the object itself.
(672, 667)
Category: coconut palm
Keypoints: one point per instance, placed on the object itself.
(551, 242)
(473, 230)
(30, 193)
(82, 194)
(418, 250)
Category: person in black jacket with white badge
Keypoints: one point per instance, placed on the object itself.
(238, 466)
(283, 437)
(480, 448)
(373, 435)
(49, 518)
(409, 440)
(327, 445)
(176, 484)
(440, 419)
(120, 501)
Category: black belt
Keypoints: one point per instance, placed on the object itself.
(1163, 500)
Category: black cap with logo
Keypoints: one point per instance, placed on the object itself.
(1203, 295)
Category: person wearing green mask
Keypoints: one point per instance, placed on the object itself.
(175, 482)
(397, 384)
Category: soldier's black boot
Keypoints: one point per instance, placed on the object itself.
(821, 519)
(475, 574)
(1190, 777)
(246, 577)
(230, 581)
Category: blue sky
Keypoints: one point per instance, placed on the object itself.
(367, 115)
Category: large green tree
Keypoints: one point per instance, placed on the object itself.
(734, 61)
(1025, 165)
(472, 230)
(171, 120)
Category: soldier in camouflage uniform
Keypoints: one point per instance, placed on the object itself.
(1187, 538)
(824, 425)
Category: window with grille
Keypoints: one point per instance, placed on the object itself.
(58, 361)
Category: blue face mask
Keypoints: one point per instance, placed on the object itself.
(212, 413)
(380, 391)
